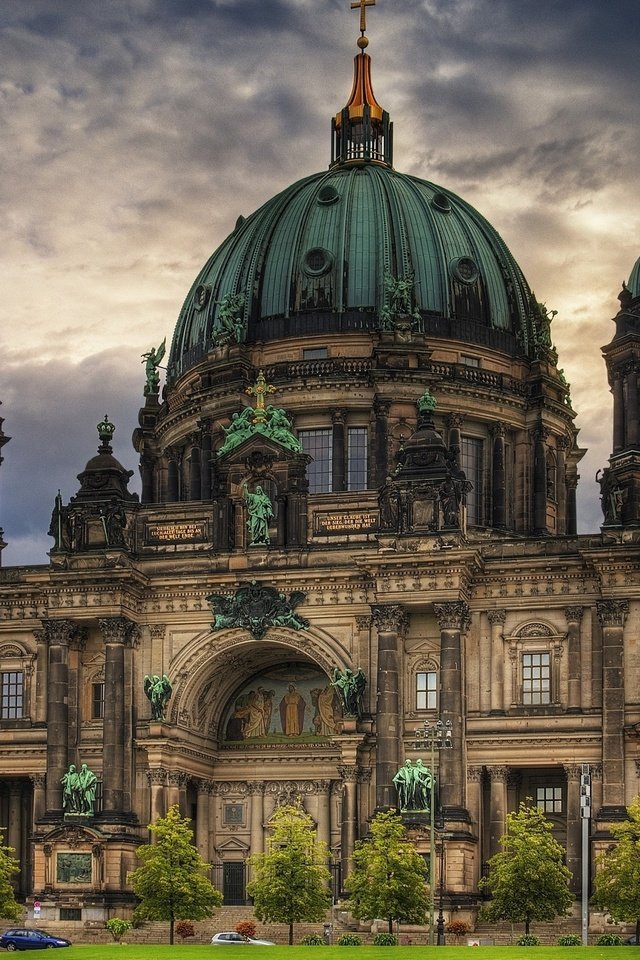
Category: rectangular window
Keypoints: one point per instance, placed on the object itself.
(97, 701)
(426, 691)
(12, 696)
(319, 445)
(549, 799)
(536, 678)
(315, 353)
(470, 361)
(357, 458)
(471, 461)
(70, 913)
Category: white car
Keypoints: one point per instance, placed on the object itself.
(233, 937)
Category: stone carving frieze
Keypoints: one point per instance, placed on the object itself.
(256, 607)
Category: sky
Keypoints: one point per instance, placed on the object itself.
(135, 132)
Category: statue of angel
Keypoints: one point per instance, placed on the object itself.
(158, 691)
(151, 361)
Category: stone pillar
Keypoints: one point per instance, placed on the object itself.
(452, 617)
(58, 634)
(157, 782)
(195, 475)
(540, 482)
(496, 619)
(323, 810)
(146, 474)
(572, 510)
(205, 466)
(574, 617)
(618, 412)
(39, 782)
(349, 826)
(381, 410)
(498, 485)
(14, 822)
(561, 494)
(213, 810)
(574, 826)
(612, 615)
(256, 793)
(173, 480)
(116, 632)
(338, 418)
(175, 790)
(202, 818)
(474, 806)
(497, 806)
(390, 621)
(631, 405)
(41, 677)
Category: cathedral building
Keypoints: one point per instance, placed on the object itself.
(357, 518)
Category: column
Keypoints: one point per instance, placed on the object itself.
(14, 825)
(618, 411)
(205, 466)
(157, 781)
(452, 617)
(348, 827)
(146, 474)
(497, 806)
(338, 418)
(116, 632)
(41, 677)
(213, 810)
(574, 617)
(323, 810)
(173, 484)
(572, 510)
(390, 621)
(202, 818)
(381, 410)
(195, 476)
(256, 813)
(496, 619)
(612, 615)
(539, 481)
(632, 411)
(498, 479)
(574, 826)
(563, 445)
(39, 782)
(57, 633)
(455, 421)
(175, 790)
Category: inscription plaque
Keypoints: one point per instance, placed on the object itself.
(356, 521)
(181, 532)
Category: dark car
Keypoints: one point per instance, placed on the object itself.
(21, 938)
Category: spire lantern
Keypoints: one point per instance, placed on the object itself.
(361, 132)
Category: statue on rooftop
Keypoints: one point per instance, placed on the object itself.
(151, 360)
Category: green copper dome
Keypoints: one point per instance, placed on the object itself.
(314, 259)
(634, 279)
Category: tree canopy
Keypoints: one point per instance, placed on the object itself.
(290, 882)
(388, 876)
(617, 880)
(8, 867)
(527, 879)
(171, 881)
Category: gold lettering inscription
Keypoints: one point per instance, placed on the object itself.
(170, 532)
(328, 523)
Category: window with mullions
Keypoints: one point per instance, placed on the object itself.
(97, 701)
(426, 691)
(319, 445)
(357, 458)
(471, 461)
(536, 678)
(549, 799)
(11, 697)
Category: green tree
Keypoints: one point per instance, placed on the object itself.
(617, 880)
(527, 879)
(8, 867)
(290, 882)
(171, 881)
(388, 876)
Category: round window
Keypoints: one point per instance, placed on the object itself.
(201, 296)
(328, 195)
(317, 261)
(465, 269)
(441, 202)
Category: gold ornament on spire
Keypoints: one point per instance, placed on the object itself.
(363, 4)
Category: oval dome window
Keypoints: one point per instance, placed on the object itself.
(317, 261)
(465, 270)
(441, 202)
(328, 195)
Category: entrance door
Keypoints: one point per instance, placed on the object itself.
(233, 883)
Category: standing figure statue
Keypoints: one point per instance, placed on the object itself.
(151, 360)
(79, 791)
(71, 790)
(158, 691)
(414, 785)
(88, 783)
(350, 686)
(259, 513)
(404, 784)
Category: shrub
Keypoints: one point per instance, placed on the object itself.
(385, 940)
(312, 940)
(528, 940)
(117, 927)
(570, 940)
(246, 927)
(609, 940)
(184, 929)
(458, 928)
(349, 940)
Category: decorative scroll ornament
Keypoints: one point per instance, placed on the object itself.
(158, 692)
(256, 607)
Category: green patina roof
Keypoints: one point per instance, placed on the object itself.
(318, 253)
(634, 279)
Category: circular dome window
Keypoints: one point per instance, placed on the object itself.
(328, 195)
(465, 270)
(317, 261)
(201, 296)
(441, 202)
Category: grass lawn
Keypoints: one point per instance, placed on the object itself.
(186, 951)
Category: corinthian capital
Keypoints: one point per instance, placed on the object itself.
(59, 632)
(390, 619)
(612, 613)
(496, 616)
(453, 615)
(117, 629)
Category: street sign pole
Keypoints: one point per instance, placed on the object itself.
(585, 814)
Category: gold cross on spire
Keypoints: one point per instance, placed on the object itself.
(260, 390)
(363, 4)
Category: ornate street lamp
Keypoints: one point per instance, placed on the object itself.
(435, 735)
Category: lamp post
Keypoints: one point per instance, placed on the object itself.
(436, 735)
(440, 920)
